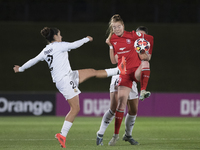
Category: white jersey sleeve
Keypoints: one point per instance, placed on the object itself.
(31, 62)
(67, 46)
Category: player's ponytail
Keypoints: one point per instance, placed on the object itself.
(48, 33)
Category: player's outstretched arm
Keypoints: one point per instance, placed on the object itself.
(79, 43)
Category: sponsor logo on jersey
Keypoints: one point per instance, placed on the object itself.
(122, 48)
(48, 51)
(122, 52)
(115, 43)
(128, 41)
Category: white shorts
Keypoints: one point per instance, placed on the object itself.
(114, 85)
(68, 86)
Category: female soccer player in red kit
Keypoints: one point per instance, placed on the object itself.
(132, 101)
(137, 66)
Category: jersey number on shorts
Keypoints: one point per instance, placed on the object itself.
(73, 85)
(50, 60)
(116, 82)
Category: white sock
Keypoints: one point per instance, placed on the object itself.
(112, 71)
(107, 118)
(65, 128)
(129, 123)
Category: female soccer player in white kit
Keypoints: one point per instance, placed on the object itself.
(56, 55)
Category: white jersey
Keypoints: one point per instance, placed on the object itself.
(56, 55)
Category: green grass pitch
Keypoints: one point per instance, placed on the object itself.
(153, 133)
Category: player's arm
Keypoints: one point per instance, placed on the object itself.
(145, 56)
(113, 57)
(77, 44)
(28, 64)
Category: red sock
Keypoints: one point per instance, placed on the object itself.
(118, 120)
(144, 78)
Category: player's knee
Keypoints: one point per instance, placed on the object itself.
(132, 112)
(75, 109)
(122, 103)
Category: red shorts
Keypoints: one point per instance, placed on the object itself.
(128, 78)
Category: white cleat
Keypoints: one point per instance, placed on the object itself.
(144, 94)
(114, 139)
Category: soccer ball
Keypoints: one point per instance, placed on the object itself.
(141, 46)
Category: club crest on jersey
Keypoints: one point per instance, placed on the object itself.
(128, 41)
(138, 33)
(115, 43)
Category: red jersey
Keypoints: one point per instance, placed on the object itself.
(124, 46)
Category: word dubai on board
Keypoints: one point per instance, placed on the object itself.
(190, 107)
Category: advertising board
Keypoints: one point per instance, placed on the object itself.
(24, 104)
(158, 105)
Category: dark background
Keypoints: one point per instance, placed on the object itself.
(174, 25)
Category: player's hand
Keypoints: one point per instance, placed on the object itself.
(108, 42)
(90, 38)
(144, 56)
(16, 68)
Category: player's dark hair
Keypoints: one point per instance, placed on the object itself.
(142, 28)
(48, 33)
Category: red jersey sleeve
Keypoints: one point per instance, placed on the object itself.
(150, 39)
(137, 34)
(112, 42)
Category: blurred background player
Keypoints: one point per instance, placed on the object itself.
(132, 102)
(56, 55)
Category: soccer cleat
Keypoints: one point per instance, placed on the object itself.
(130, 140)
(99, 140)
(61, 140)
(122, 66)
(114, 139)
(144, 94)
